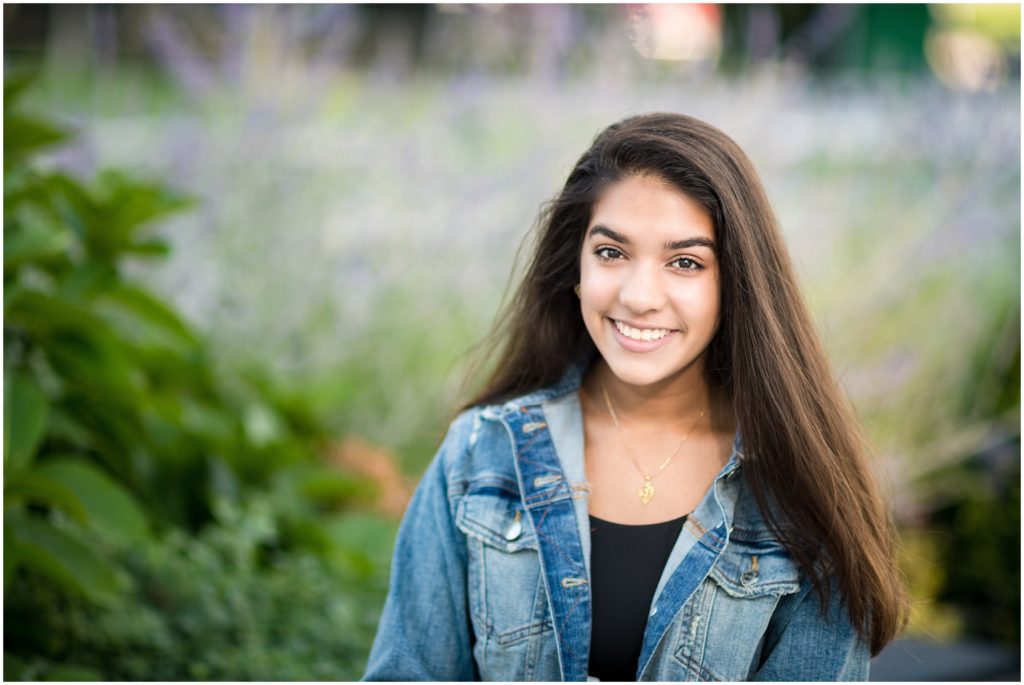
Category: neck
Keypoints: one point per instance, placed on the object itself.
(681, 398)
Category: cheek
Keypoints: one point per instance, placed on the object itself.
(597, 287)
(709, 297)
(711, 307)
(698, 306)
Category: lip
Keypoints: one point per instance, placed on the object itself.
(639, 345)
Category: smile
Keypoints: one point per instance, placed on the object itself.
(641, 339)
(644, 334)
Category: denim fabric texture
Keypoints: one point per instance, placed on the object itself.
(490, 573)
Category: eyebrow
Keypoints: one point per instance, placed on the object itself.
(669, 245)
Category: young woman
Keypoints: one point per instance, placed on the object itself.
(661, 479)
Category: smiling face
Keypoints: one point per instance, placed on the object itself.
(649, 282)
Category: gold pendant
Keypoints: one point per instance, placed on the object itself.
(646, 493)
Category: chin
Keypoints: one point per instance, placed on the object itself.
(642, 374)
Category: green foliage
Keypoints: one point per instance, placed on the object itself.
(24, 135)
(62, 553)
(975, 500)
(225, 605)
(122, 440)
(982, 555)
(109, 509)
(24, 407)
(72, 385)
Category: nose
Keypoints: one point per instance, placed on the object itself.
(642, 291)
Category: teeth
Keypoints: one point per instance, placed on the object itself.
(641, 334)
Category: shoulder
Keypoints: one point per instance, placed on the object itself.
(808, 639)
(476, 447)
(479, 442)
(757, 562)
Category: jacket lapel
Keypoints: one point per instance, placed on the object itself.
(700, 544)
(548, 500)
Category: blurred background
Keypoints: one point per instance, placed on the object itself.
(249, 250)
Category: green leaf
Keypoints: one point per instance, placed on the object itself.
(14, 86)
(66, 426)
(24, 135)
(149, 248)
(85, 280)
(37, 487)
(81, 347)
(110, 214)
(110, 507)
(25, 412)
(59, 554)
(135, 203)
(100, 372)
(44, 314)
(34, 242)
(150, 312)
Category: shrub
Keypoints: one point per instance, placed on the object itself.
(225, 605)
(122, 440)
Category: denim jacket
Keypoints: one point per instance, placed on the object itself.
(490, 577)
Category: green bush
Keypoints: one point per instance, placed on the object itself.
(224, 605)
(164, 518)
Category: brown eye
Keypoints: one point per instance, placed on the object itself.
(686, 264)
(607, 254)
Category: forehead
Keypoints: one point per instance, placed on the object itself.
(642, 207)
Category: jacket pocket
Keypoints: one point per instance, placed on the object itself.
(752, 567)
(492, 513)
(742, 592)
(506, 591)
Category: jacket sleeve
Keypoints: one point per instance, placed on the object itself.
(804, 644)
(424, 631)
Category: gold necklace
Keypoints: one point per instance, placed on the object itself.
(646, 491)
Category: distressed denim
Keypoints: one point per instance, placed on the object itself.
(491, 567)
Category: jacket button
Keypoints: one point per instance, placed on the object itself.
(749, 577)
(514, 530)
(654, 611)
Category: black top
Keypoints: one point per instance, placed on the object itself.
(625, 566)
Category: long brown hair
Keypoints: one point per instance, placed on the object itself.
(803, 446)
